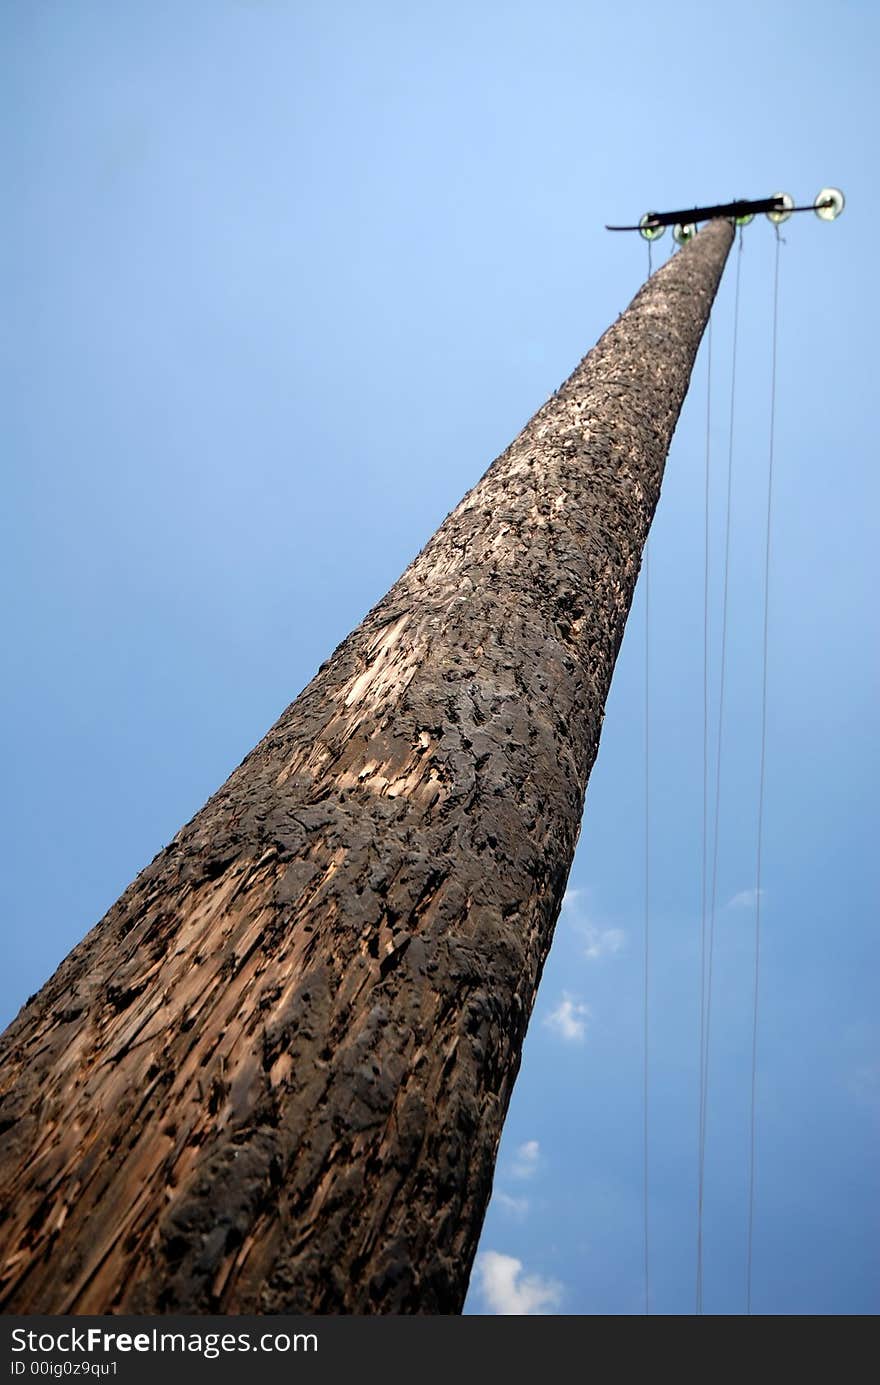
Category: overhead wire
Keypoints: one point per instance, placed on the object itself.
(709, 891)
(761, 776)
(709, 878)
(647, 909)
(705, 815)
(645, 1066)
(713, 894)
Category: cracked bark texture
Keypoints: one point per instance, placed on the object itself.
(273, 1078)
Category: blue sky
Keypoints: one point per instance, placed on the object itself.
(283, 278)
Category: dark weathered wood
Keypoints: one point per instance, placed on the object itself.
(274, 1076)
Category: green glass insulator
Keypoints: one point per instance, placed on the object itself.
(785, 210)
(829, 203)
(650, 232)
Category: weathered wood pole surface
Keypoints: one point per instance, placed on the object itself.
(273, 1077)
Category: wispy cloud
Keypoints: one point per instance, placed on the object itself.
(569, 1019)
(746, 899)
(507, 1291)
(516, 1207)
(603, 942)
(600, 942)
(528, 1157)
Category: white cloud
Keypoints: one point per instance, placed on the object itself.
(600, 942)
(746, 899)
(516, 1207)
(603, 942)
(569, 1019)
(527, 1158)
(509, 1292)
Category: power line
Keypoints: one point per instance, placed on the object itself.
(714, 889)
(758, 865)
(703, 871)
(647, 897)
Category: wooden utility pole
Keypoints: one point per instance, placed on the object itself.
(273, 1078)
